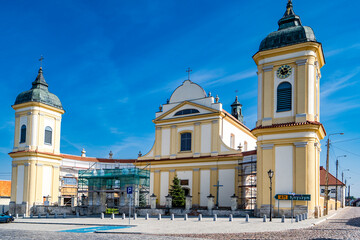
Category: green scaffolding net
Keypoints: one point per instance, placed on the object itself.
(96, 180)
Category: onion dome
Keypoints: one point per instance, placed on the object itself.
(290, 32)
(39, 93)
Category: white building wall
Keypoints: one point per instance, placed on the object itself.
(20, 184)
(165, 141)
(240, 136)
(47, 181)
(205, 138)
(284, 172)
(204, 187)
(164, 186)
(227, 179)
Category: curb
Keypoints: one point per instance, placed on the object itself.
(323, 220)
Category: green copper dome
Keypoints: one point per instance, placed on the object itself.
(290, 32)
(39, 93)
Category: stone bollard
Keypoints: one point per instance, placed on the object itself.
(47, 215)
(303, 217)
(24, 215)
(200, 217)
(112, 216)
(31, 215)
(186, 217)
(172, 217)
(231, 218)
(39, 215)
(64, 215)
(283, 219)
(123, 216)
(135, 216)
(306, 216)
(147, 216)
(159, 216)
(247, 218)
(215, 217)
(77, 214)
(17, 216)
(102, 215)
(297, 218)
(55, 215)
(264, 218)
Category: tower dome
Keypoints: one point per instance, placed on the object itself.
(39, 93)
(290, 32)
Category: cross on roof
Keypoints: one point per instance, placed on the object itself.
(188, 71)
(41, 59)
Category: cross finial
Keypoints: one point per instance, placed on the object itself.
(188, 71)
(41, 60)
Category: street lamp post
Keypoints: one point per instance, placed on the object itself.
(343, 195)
(336, 186)
(271, 174)
(327, 174)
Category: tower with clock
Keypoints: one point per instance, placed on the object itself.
(288, 127)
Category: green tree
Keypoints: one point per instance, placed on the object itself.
(177, 193)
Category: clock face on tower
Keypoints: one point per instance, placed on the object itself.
(284, 71)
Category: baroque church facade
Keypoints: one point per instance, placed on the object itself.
(211, 150)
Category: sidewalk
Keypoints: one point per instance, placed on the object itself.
(165, 225)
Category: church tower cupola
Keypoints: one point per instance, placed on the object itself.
(290, 32)
(236, 110)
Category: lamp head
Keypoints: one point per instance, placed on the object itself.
(271, 173)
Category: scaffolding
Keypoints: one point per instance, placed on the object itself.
(108, 186)
(247, 183)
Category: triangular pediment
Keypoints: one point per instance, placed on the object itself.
(175, 112)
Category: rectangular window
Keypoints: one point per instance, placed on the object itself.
(185, 142)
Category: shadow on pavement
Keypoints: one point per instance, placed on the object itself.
(354, 222)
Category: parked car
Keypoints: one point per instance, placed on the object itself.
(6, 218)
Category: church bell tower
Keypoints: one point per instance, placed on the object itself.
(288, 127)
(36, 153)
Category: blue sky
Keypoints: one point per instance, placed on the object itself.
(112, 63)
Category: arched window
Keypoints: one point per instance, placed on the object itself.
(186, 111)
(48, 135)
(185, 142)
(284, 97)
(23, 134)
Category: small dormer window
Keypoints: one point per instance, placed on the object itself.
(48, 135)
(186, 111)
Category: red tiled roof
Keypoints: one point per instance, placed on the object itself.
(241, 154)
(93, 159)
(86, 159)
(5, 188)
(290, 124)
(332, 179)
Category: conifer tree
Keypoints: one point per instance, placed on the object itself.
(177, 193)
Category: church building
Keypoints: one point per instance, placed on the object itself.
(210, 150)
